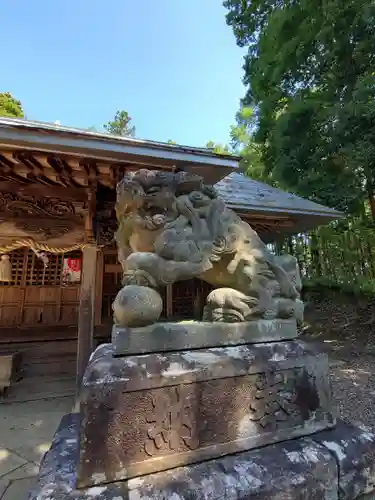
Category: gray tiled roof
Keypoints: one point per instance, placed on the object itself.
(242, 193)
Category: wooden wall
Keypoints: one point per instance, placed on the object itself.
(37, 295)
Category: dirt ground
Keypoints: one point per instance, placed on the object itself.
(353, 383)
(344, 326)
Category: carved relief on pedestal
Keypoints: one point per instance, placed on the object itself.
(273, 402)
(172, 422)
(175, 421)
(222, 400)
(185, 418)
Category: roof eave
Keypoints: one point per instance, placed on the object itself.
(37, 132)
(329, 214)
(212, 168)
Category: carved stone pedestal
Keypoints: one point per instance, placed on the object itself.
(246, 421)
(147, 413)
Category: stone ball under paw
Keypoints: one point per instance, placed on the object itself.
(137, 306)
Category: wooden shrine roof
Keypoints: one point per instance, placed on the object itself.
(33, 154)
(86, 148)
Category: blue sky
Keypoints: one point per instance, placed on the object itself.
(172, 64)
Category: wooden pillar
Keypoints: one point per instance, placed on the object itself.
(99, 287)
(86, 314)
(87, 302)
(169, 300)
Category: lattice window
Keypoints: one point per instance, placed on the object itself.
(184, 294)
(189, 298)
(203, 290)
(39, 275)
(17, 258)
(203, 287)
(17, 261)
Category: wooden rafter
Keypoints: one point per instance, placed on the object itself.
(58, 170)
(266, 225)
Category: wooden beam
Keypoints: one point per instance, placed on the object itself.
(23, 164)
(99, 287)
(86, 314)
(90, 214)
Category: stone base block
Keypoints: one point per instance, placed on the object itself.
(10, 369)
(161, 337)
(354, 451)
(330, 465)
(148, 413)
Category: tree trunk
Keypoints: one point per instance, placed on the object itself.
(372, 205)
(290, 245)
(371, 196)
(315, 258)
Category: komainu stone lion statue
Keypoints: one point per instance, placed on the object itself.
(173, 227)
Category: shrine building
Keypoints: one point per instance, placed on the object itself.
(59, 271)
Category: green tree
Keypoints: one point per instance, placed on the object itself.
(244, 145)
(308, 72)
(355, 129)
(302, 152)
(221, 149)
(10, 107)
(121, 125)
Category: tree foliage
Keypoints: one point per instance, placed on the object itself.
(309, 74)
(121, 125)
(221, 149)
(10, 107)
(242, 144)
(338, 256)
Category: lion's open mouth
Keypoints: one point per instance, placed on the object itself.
(152, 209)
(157, 202)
